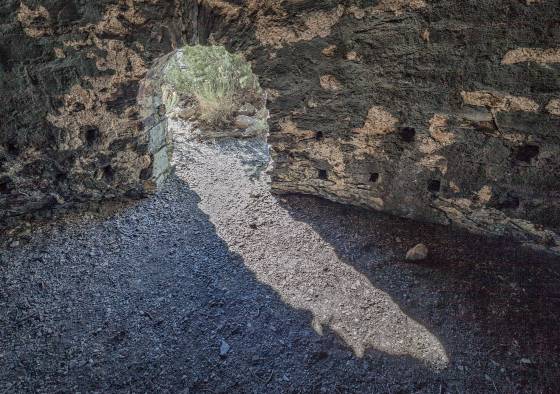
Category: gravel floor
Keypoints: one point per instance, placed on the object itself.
(215, 285)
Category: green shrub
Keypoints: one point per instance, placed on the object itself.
(220, 81)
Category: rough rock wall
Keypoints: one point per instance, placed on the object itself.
(446, 111)
(71, 72)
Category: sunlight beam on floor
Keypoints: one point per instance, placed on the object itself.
(299, 265)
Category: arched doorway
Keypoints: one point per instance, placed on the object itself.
(202, 94)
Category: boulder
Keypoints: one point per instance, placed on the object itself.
(417, 253)
(243, 121)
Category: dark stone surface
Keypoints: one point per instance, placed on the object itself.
(421, 93)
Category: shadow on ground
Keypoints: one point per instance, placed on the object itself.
(494, 306)
(142, 301)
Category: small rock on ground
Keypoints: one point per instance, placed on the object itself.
(417, 253)
(243, 121)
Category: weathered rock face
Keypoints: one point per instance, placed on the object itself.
(442, 111)
(75, 127)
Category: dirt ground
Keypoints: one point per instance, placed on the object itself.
(215, 285)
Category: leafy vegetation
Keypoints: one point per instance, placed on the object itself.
(219, 81)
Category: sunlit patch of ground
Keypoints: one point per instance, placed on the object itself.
(290, 256)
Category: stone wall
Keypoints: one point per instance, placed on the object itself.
(445, 111)
(71, 72)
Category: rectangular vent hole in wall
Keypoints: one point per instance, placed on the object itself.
(6, 185)
(108, 173)
(526, 153)
(407, 133)
(323, 175)
(434, 185)
(90, 135)
(12, 149)
(374, 177)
